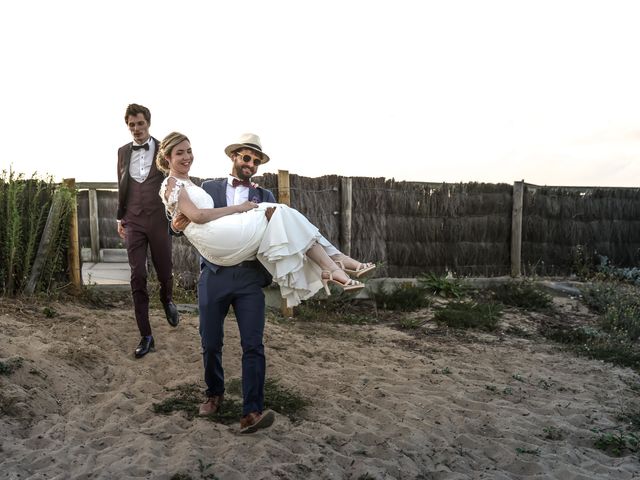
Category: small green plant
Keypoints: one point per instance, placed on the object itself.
(617, 443)
(524, 295)
(543, 384)
(410, 323)
(440, 285)
(49, 312)
(404, 297)
(444, 371)
(552, 433)
(464, 314)
(7, 367)
(582, 262)
(528, 451)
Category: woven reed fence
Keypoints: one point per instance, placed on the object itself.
(416, 227)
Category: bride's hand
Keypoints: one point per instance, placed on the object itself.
(180, 222)
(246, 206)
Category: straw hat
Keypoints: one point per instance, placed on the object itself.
(247, 140)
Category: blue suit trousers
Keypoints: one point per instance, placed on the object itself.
(240, 287)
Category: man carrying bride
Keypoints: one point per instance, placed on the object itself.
(245, 239)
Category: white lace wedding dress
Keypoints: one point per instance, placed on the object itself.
(279, 244)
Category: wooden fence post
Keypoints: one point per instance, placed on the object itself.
(73, 257)
(284, 196)
(94, 226)
(516, 229)
(345, 215)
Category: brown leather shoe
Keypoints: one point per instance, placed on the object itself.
(211, 405)
(255, 420)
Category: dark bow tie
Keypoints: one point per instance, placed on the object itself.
(138, 147)
(244, 183)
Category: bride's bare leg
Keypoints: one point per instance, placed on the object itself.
(317, 254)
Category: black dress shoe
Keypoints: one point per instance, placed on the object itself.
(171, 311)
(145, 346)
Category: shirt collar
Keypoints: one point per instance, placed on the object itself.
(231, 178)
(149, 141)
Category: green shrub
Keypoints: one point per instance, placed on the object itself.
(599, 296)
(440, 285)
(522, 294)
(403, 297)
(24, 208)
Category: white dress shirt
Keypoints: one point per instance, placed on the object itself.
(236, 195)
(141, 161)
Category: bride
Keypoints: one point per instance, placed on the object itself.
(280, 237)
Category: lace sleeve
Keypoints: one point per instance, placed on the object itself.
(171, 204)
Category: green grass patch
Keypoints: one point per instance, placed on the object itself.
(404, 297)
(467, 314)
(614, 336)
(187, 398)
(277, 397)
(599, 296)
(524, 295)
(336, 309)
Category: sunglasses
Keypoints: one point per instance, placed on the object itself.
(248, 158)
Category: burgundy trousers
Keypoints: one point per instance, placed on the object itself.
(142, 233)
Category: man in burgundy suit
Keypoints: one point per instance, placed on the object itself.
(142, 222)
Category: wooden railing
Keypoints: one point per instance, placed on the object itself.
(94, 229)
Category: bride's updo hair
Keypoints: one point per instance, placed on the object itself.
(166, 147)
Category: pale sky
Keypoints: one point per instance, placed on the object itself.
(446, 91)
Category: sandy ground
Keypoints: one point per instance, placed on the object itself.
(386, 403)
